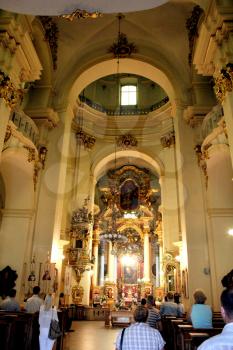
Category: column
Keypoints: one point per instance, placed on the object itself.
(110, 263)
(95, 255)
(102, 264)
(195, 254)
(146, 274)
(220, 214)
(4, 117)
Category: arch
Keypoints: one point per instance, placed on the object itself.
(155, 164)
(127, 65)
(132, 226)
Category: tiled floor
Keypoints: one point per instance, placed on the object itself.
(90, 335)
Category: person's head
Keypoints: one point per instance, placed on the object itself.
(177, 298)
(143, 302)
(199, 296)
(48, 302)
(170, 296)
(141, 314)
(150, 300)
(61, 295)
(227, 305)
(12, 293)
(36, 290)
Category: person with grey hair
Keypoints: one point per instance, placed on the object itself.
(201, 314)
(47, 313)
(140, 336)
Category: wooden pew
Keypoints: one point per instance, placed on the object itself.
(183, 337)
(195, 339)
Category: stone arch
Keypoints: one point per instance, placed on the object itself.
(154, 164)
(134, 66)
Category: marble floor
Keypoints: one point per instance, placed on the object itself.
(90, 335)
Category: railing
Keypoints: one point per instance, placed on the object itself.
(26, 125)
(211, 120)
(124, 110)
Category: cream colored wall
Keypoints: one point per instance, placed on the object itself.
(17, 216)
(192, 210)
(220, 215)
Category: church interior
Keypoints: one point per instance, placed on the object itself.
(116, 144)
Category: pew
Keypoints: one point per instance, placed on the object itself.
(184, 330)
(195, 339)
(20, 330)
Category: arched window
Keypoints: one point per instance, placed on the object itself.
(128, 95)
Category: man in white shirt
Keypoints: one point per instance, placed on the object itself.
(224, 340)
(33, 304)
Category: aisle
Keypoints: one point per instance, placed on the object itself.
(90, 335)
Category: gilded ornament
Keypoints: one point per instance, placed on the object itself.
(8, 92)
(127, 141)
(121, 48)
(51, 36)
(224, 82)
(82, 14)
(192, 27)
(168, 140)
(87, 140)
(31, 153)
(8, 133)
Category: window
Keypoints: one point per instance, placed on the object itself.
(128, 95)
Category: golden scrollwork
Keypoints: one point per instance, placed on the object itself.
(51, 36)
(8, 92)
(87, 140)
(77, 294)
(202, 156)
(31, 153)
(168, 140)
(224, 82)
(127, 141)
(82, 14)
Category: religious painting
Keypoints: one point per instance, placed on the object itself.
(129, 196)
(130, 274)
(185, 283)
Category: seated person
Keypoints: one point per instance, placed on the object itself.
(140, 336)
(223, 340)
(201, 314)
(154, 318)
(180, 305)
(169, 308)
(10, 303)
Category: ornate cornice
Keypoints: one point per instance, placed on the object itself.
(51, 36)
(168, 140)
(82, 14)
(8, 92)
(192, 27)
(127, 141)
(87, 140)
(224, 82)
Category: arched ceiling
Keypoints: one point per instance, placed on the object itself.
(143, 160)
(58, 7)
(159, 34)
